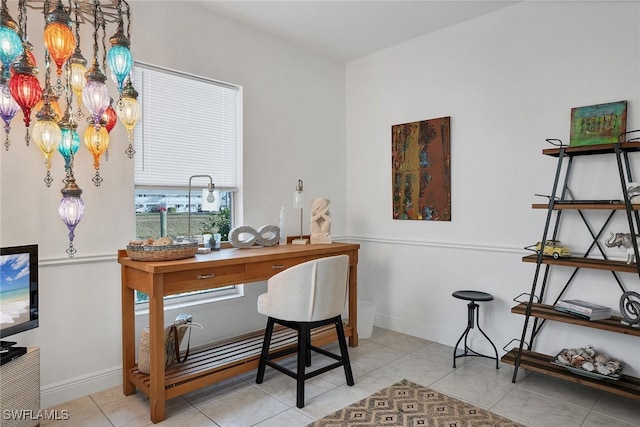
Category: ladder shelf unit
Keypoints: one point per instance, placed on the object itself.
(537, 312)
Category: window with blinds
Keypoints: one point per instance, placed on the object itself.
(189, 126)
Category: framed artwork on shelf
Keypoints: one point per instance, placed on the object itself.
(421, 170)
(598, 124)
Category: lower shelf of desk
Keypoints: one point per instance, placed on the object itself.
(216, 362)
(626, 386)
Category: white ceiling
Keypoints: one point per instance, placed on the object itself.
(349, 29)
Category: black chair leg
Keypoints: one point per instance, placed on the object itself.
(308, 348)
(344, 353)
(304, 332)
(303, 348)
(265, 350)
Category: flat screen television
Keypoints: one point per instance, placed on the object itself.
(18, 290)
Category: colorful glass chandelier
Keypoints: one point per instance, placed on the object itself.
(56, 128)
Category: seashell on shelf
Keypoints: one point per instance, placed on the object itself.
(588, 366)
(587, 361)
(577, 361)
(601, 358)
(562, 359)
(583, 353)
(604, 370)
(614, 365)
(590, 350)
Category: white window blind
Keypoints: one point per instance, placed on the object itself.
(188, 126)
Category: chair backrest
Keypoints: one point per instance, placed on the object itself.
(313, 290)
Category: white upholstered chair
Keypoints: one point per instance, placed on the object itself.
(304, 297)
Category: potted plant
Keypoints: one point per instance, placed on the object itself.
(217, 223)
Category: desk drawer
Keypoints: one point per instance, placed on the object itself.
(202, 278)
(266, 269)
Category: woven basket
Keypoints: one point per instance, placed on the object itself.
(144, 353)
(162, 253)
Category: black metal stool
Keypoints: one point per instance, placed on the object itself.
(472, 296)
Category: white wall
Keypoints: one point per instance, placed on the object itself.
(294, 126)
(508, 80)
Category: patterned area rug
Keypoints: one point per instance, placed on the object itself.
(406, 404)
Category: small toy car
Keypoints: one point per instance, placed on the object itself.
(552, 248)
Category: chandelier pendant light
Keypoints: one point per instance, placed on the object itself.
(119, 57)
(26, 91)
(10, 42)
(96, 139)
(71, 208)
(23, 84)
(69, 140)
(110, 117)
(59, 39)
(8, 109)
(95, 95)
(47, 135)
(78, 68)
(46, 131)
(128, 112)
(25, 87)
(56, 129)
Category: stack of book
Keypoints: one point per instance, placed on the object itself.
(583, 309)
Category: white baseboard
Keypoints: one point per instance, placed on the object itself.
(73, 388)
(429, 333)
(415, 329)
(84, 385)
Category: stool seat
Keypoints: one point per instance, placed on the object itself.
(473, 313)
(473, 295)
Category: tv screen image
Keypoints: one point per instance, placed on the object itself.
(14, 290)
(18, 289)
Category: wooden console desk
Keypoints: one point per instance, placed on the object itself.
(218, 361)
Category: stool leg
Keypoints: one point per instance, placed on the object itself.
(471, 309)
(455, 349)
(495, 350)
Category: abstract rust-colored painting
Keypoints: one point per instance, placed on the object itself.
(421, 162)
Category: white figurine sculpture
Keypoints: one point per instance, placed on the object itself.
(320, 221)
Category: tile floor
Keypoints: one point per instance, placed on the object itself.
(383, 359)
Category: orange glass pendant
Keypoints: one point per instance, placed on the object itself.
(97, 141)
(58, 37)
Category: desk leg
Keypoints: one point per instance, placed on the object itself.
(156, 358)
(128, 336)
(353, 302)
